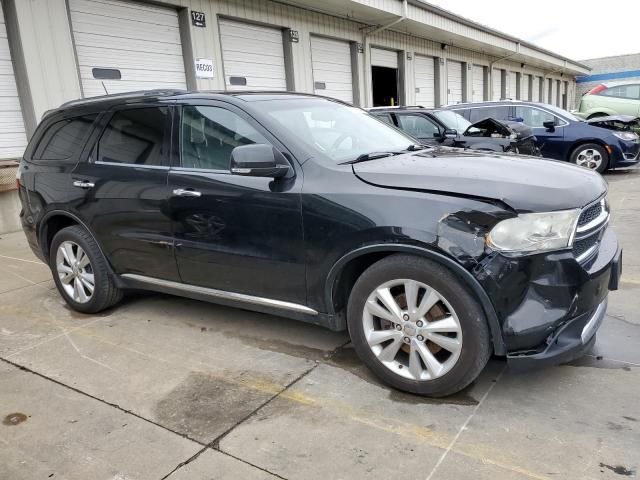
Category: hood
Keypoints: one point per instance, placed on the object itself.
(615, 122)
(524, 183)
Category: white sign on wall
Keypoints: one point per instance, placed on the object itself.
(204, 68)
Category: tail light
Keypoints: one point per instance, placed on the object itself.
(597, 90)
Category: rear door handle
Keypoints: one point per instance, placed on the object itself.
(83, 184)
(186, 192)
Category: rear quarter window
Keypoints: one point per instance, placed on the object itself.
(64, 139)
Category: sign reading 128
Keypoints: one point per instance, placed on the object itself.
(204, 67)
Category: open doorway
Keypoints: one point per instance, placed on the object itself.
(384, 82)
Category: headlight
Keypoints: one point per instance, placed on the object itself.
(534, 232)
(631, 136)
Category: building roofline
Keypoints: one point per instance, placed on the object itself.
(470, 23)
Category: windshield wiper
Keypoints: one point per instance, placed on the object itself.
(370, 156)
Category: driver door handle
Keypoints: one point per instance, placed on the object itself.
(186, 192)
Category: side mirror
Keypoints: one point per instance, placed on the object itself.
(258, 160)
(450, 133)
(550, 125)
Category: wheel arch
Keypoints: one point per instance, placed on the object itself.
(348, 268)
(584, 141)
(56, 220)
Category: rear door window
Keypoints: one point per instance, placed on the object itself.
(137, 136)
(64, 139)
(534, 117)
(418, 126)
(500, 112)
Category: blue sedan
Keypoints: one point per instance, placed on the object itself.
(560, 135)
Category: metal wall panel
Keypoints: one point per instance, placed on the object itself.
(425, 81)
(454, 82)
(331, 64)
(142, 41)
(478, 84)
(13, 138)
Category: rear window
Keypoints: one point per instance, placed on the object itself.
(64, 139)
(495, 112)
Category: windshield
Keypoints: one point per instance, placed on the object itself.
(562, 113)
(453, 120)
(339, 132)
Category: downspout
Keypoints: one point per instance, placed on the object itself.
(367, 53)
(491, 64)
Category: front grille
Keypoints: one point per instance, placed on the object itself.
(591, 226)
(582, 246)
(589, 214)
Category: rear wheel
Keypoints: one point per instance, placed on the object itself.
(416, 326)
(80, 271)
(591, 156)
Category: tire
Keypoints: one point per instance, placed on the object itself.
(472, 335)
(72, 271)
(597, 114)
(591, 156)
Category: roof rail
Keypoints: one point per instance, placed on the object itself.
(138, 93)
(397, 107)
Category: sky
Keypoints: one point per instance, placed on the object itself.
(578, 30)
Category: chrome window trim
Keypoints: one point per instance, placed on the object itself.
(221, 294)
(131, 165)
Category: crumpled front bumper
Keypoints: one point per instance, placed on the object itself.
(571, 341)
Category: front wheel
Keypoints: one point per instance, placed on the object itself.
(591, 156)
(417, 327)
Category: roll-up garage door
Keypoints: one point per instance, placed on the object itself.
(477, 94)
(13, 139)
(496, 84)
(384, 58)
(425, 80)
(127, 46)
(526, 87)
(454, 82)
(535, 89)
(252, 56)
(512, 82)
(331, 62)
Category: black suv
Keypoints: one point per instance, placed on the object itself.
(309, 208)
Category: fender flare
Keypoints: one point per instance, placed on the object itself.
(465, 276)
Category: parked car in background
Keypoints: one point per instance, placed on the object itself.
(560, 135)
(312, 209)
(611, 99)
(448, 128)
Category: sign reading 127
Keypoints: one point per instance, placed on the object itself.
(197, 19)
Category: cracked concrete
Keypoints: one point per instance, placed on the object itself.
(167, 388)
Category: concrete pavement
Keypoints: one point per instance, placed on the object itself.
(163, 387)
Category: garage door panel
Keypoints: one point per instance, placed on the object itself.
(424, 71)
(126, 28)
(496, 84)
(115, 59)
(13, 138)
(384, 58)
(454, 81)
(254, 52)
(142, 41)
(85, 40)
(478, 81)
(331, 65)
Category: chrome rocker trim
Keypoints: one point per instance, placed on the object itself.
(221, 294)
